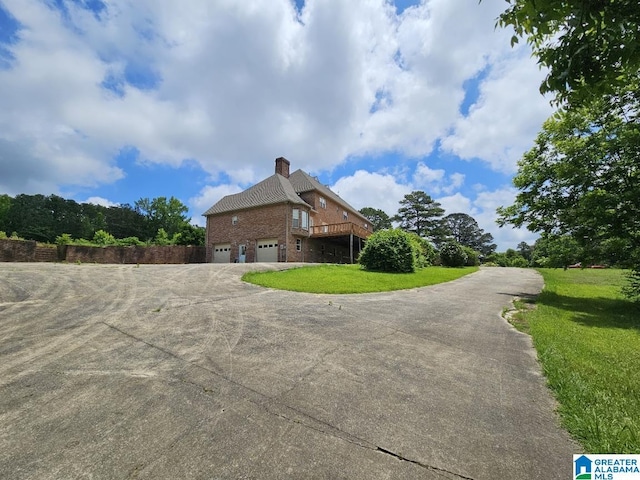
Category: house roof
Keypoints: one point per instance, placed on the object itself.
(303, 182)
(272, 190)
(277, 189)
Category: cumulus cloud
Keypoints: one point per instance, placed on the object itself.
(435, 181)
(228, 84)
(501, 125)
(376, 190)
(100, 201)
(210, 194)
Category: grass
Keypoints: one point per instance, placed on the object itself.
(352, 279)
(588, 340)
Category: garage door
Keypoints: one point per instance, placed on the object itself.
(267, 250)
(222, 253)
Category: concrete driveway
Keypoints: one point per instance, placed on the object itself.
(172, 372)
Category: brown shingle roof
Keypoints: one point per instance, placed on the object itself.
(277, 189)
(303, 182)
(271, 190)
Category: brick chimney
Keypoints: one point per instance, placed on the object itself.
(282, 166)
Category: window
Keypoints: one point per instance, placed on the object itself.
(298, 244)
(234, 220)
(345, 215)
(296, 218)
(305, 220)
(366, 226)
(323, 203)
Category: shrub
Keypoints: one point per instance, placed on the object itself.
(452, 255)
(103, 238)
(64, 239)
(473, 257)
(388, 251)
(423, 252)
(518, 262)
(129, 241)
(3, 235)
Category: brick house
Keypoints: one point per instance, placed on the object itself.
(285, 218)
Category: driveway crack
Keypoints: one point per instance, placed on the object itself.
(272, 405)
(420, 464)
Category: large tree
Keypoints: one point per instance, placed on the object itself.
(378, 218)
(583, 175)
(169, 214)
(464, 229)
(591, 47)
(420, 214)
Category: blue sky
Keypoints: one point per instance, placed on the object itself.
(112, 101)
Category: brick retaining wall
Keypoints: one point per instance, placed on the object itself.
(17, 250)
(29, 251)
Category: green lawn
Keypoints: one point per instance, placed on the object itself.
(588, 341)
(352, 279)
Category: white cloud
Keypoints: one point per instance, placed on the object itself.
(210, 194)
(456, 203)
(435, 181)
(366, 189)
(100, 201)
(234, 83)
(503, 123)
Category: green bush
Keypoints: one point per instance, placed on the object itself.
(103, 238)
(518, 261)
(389, 251)
(3, 235)
(129, 241)
(452, 255)
(473, 257)
(64, 239)
(423, 252)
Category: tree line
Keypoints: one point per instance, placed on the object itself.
(51, 219)
(420, 214)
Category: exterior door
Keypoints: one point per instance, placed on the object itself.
(242, 253)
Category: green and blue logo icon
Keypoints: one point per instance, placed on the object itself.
(582, 468)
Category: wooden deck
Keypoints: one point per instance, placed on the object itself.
(339, 230)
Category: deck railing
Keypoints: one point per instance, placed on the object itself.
(339, 229)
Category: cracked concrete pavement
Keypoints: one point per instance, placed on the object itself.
(166, 372)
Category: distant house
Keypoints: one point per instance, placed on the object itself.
(285, 218)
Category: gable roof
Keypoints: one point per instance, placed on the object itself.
(271, 190)
(277, 189)
(303, 182)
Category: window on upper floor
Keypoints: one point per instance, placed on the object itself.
(234, 220)
(296, 218)
(345, 215)
(305, 220)
(323, 202)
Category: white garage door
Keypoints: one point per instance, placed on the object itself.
(267, 250)
(222, 253)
